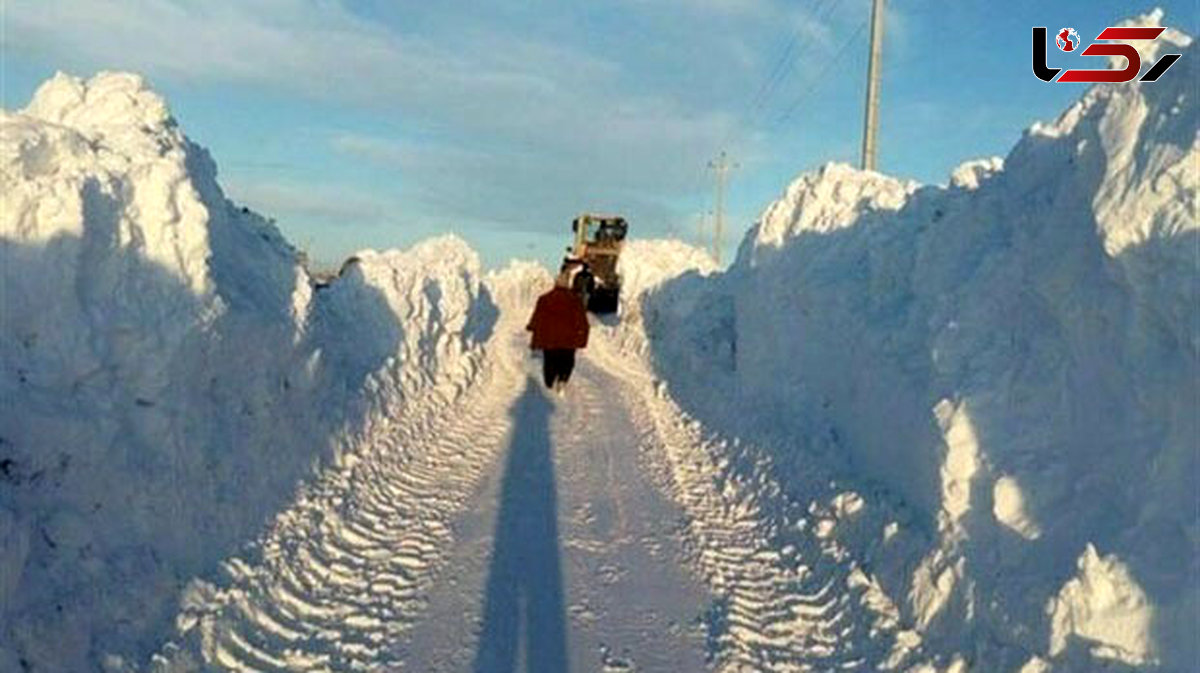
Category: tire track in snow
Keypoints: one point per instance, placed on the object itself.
(791, 598)
(343, 572)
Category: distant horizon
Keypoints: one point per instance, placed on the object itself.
(359, 125)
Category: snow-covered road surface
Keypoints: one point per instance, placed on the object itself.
(567, 559)
(343, 572)
(505, 529)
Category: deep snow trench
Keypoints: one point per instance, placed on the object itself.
(913, 428)
(518, 530)
(511, 529)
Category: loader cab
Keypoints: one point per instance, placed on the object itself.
(600, 233)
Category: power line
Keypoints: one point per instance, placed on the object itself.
(809, 48)
(820, 79)
(782, 68)
(777, 74)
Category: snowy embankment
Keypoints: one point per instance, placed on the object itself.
(998, 377)
(912, 428)
(170, 370)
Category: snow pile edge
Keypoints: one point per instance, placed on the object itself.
(172, 373)
(1004, 366)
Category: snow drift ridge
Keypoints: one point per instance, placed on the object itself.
(1007, 364)
(170, 370)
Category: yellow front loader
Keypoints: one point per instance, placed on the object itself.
(593, 257)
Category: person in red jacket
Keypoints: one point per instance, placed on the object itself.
(560, 326)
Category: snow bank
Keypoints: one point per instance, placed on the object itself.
(1008, 362)
(644, 267)
(1103, 606)
(170, 371)
(646, 264)
(516, 287)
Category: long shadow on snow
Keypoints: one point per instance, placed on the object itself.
(525, 584)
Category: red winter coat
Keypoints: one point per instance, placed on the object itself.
(559, 321)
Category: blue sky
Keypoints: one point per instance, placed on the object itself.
(373, 123)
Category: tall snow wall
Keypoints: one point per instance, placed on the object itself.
(1011, 358)
(169, 369)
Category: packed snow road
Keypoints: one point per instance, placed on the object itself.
(567, 560)
(504, 528)
(342, 573)
(511, 529)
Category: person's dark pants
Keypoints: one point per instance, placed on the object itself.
(557, 365)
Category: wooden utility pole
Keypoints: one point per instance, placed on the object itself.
(721, 166)
(871, 116)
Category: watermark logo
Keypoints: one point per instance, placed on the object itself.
(1068, 41)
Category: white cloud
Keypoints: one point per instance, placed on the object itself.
(528, 121)
(329, 202)
(481, 75)
(314, 48)
(742, 8)
(379, 150)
